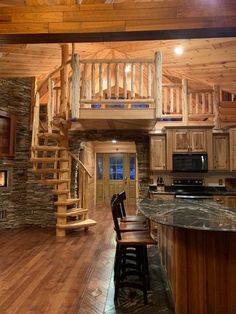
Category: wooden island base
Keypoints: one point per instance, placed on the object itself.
(201, 269)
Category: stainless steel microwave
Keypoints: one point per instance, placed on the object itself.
(190, 162)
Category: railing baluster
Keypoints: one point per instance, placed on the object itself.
(190, 103)
(117, 80)
(109, 81)
(165, 100)
(149, 81)
(101, 73)
(209, 97)
(172, 100)
(84, 82)
(141, 80)
(158, 83)
(93, 79)
(177, 99)
(203, 103)
(132, 80)
(125, 80)
(197, 102)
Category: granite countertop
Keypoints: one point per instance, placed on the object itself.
(197, 214)
(217, 192)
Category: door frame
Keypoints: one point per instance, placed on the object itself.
(120, 147)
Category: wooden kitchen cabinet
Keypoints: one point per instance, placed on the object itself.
(232, 135)
(227, 200)
(158, 152)
(230, 201)
(185, 140)
(221, 152)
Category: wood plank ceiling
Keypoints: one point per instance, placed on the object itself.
(204, 61)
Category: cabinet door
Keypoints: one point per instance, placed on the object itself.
(198, 141)
(231, 201)
(233, 149)
(220, 152)
(158, 153)
(180, 141)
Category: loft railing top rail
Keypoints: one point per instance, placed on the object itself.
(115, 61)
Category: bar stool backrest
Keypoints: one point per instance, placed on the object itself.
(115, 208)
(122, 198)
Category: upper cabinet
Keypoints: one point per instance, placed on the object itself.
(158, 152)
(188, 140)
(221, 152)
(185, 140)
(232, 135)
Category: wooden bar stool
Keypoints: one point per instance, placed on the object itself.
(137, 241)
(129, 218)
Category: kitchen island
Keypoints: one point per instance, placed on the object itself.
(197, 242)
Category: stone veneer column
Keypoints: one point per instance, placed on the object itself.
(26, 203)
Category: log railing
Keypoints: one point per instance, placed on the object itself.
(108, 84)
(172, 100)
(201, 102)
(84, 176)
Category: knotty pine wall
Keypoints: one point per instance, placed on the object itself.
(39, 18)
(25, 203)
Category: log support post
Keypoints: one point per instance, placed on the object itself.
(185, 100)
(64, 81)
(75, 99)
(158, 84)
(216, 104)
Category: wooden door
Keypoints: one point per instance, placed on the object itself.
(158, 152)
(115, 173)
(180, 141)
(220, 152)
(197, 140)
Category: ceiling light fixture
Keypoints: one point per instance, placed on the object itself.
(113, 141)
(179, 50)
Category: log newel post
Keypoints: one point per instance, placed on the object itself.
(75, 99)
(35, 127)
(64, 80)
(158, 84)
(185, 100)
(216, 104)
(50, 104)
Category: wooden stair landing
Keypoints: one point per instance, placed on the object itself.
(69, 201)
(73, 213)
(78, 224)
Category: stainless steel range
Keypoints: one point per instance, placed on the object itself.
(190, 189)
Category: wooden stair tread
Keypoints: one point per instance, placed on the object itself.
(69, 201)
(48, 148)
(52, 181)
(49, 170)
(48, 159)
(134, 218)
(77, 224)
(60, 192)
(136, 238)
(55, 136)
(73, 212)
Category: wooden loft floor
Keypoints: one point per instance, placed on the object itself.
(40, 273)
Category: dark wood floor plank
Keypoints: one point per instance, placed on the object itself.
(40, 273)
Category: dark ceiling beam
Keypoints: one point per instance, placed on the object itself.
(117, 36)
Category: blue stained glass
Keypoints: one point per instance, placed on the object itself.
(99, 167)
(116, 170)
(132, 168)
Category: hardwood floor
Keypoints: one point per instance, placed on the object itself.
(40, 273)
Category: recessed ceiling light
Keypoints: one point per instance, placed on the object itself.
(114, 141)
(179, 50)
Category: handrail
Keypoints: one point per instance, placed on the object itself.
(80, 163)
(52, 74)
